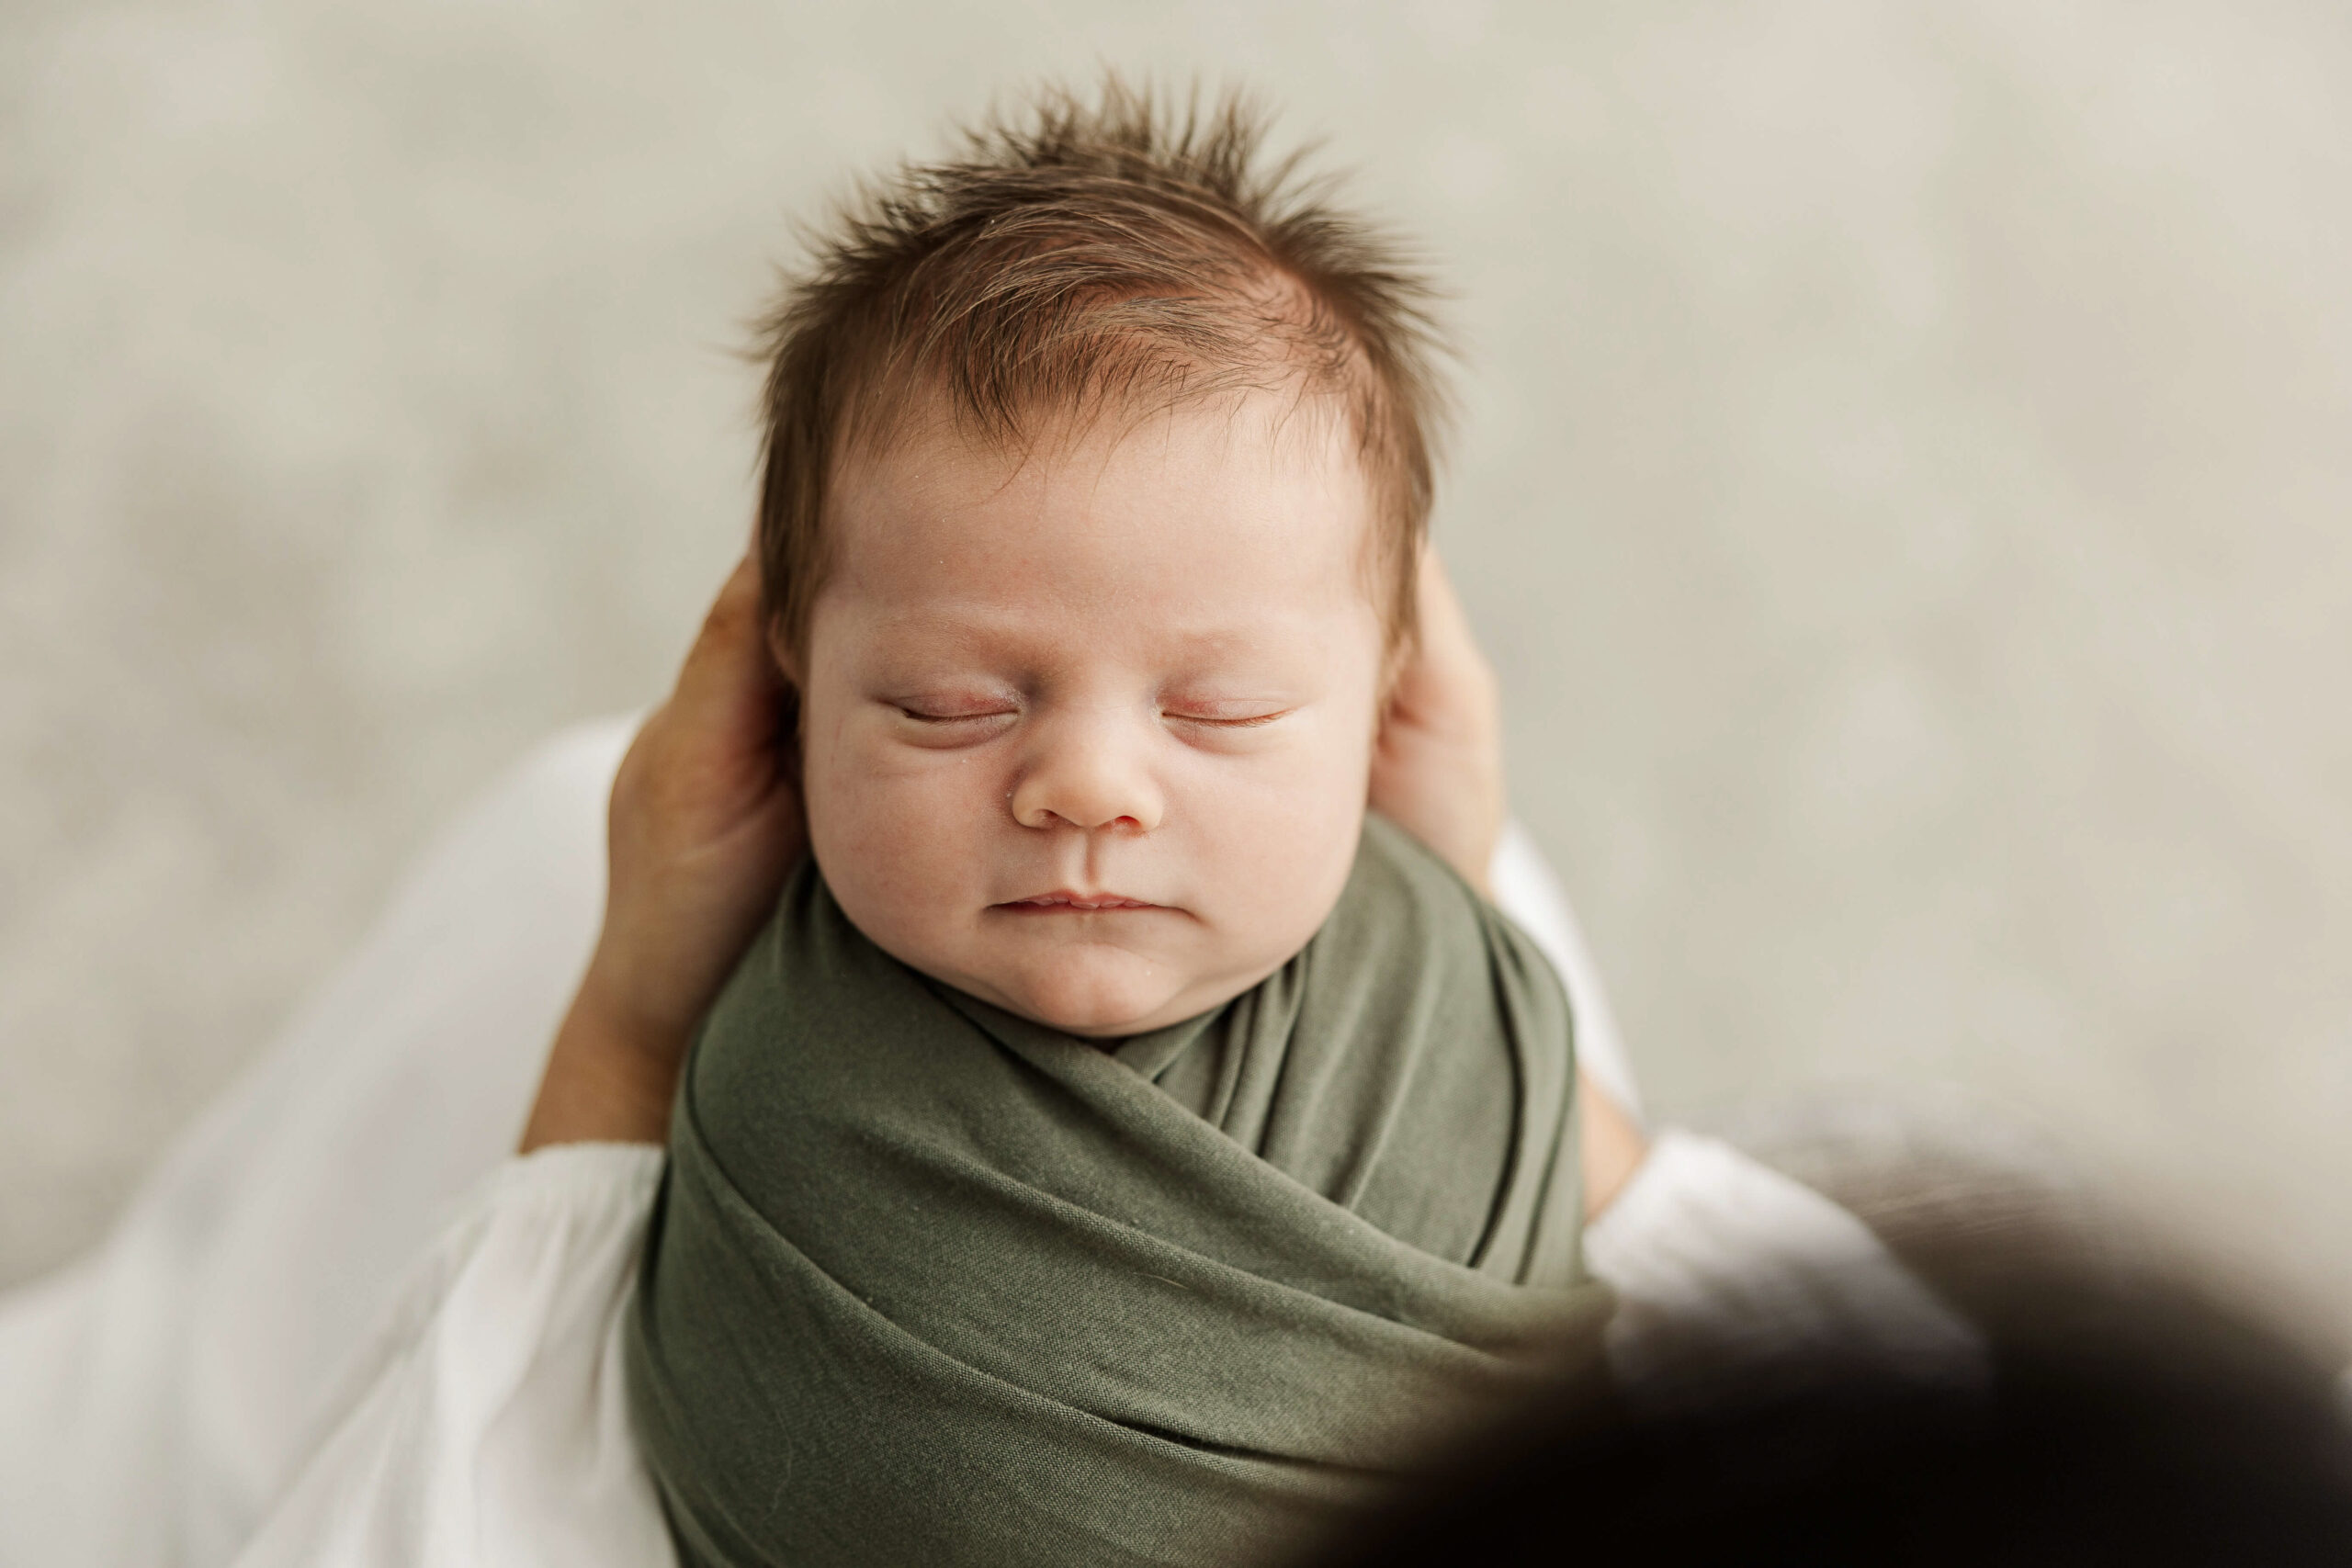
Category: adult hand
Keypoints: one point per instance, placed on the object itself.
(705, 820)
(1438, 773)
(1436, 770)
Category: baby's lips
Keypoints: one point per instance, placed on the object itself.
(1064, 899)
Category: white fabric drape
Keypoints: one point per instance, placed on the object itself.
(157, 1397)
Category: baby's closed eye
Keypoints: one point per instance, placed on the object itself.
(952, 721)
(1227, 715)
(947, 713)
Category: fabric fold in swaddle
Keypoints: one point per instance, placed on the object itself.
(930, 1283)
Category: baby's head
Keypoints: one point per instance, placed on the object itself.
(1097, 468)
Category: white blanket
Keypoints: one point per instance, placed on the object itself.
(340, 1325)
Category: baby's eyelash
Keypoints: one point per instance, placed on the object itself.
(1251, 721)
(921, 718)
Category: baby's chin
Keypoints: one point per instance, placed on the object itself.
(1103, 996)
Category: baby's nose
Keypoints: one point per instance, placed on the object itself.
(1090, 781)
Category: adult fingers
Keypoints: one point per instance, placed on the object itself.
(729, 674)
(1448, 677)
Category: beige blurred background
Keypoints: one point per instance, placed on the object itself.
(1904, 483)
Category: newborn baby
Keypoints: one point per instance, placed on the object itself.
(1118, 1147)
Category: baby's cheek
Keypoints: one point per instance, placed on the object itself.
(1294, 847)
(858, 831)
(867, 780)
(921, 844)
(890, 833)
(1305, 803)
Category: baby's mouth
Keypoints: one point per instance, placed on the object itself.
(1062, 902)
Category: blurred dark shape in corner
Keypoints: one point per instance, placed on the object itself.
(2128, 1408)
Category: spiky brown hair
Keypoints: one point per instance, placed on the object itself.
(1133, 251)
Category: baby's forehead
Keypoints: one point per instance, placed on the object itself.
(1287, 419)
(1286, 462)
(1190, 524)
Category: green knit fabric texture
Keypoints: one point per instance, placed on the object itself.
(931, 1284)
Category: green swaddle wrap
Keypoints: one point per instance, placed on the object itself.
(931, 1284)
